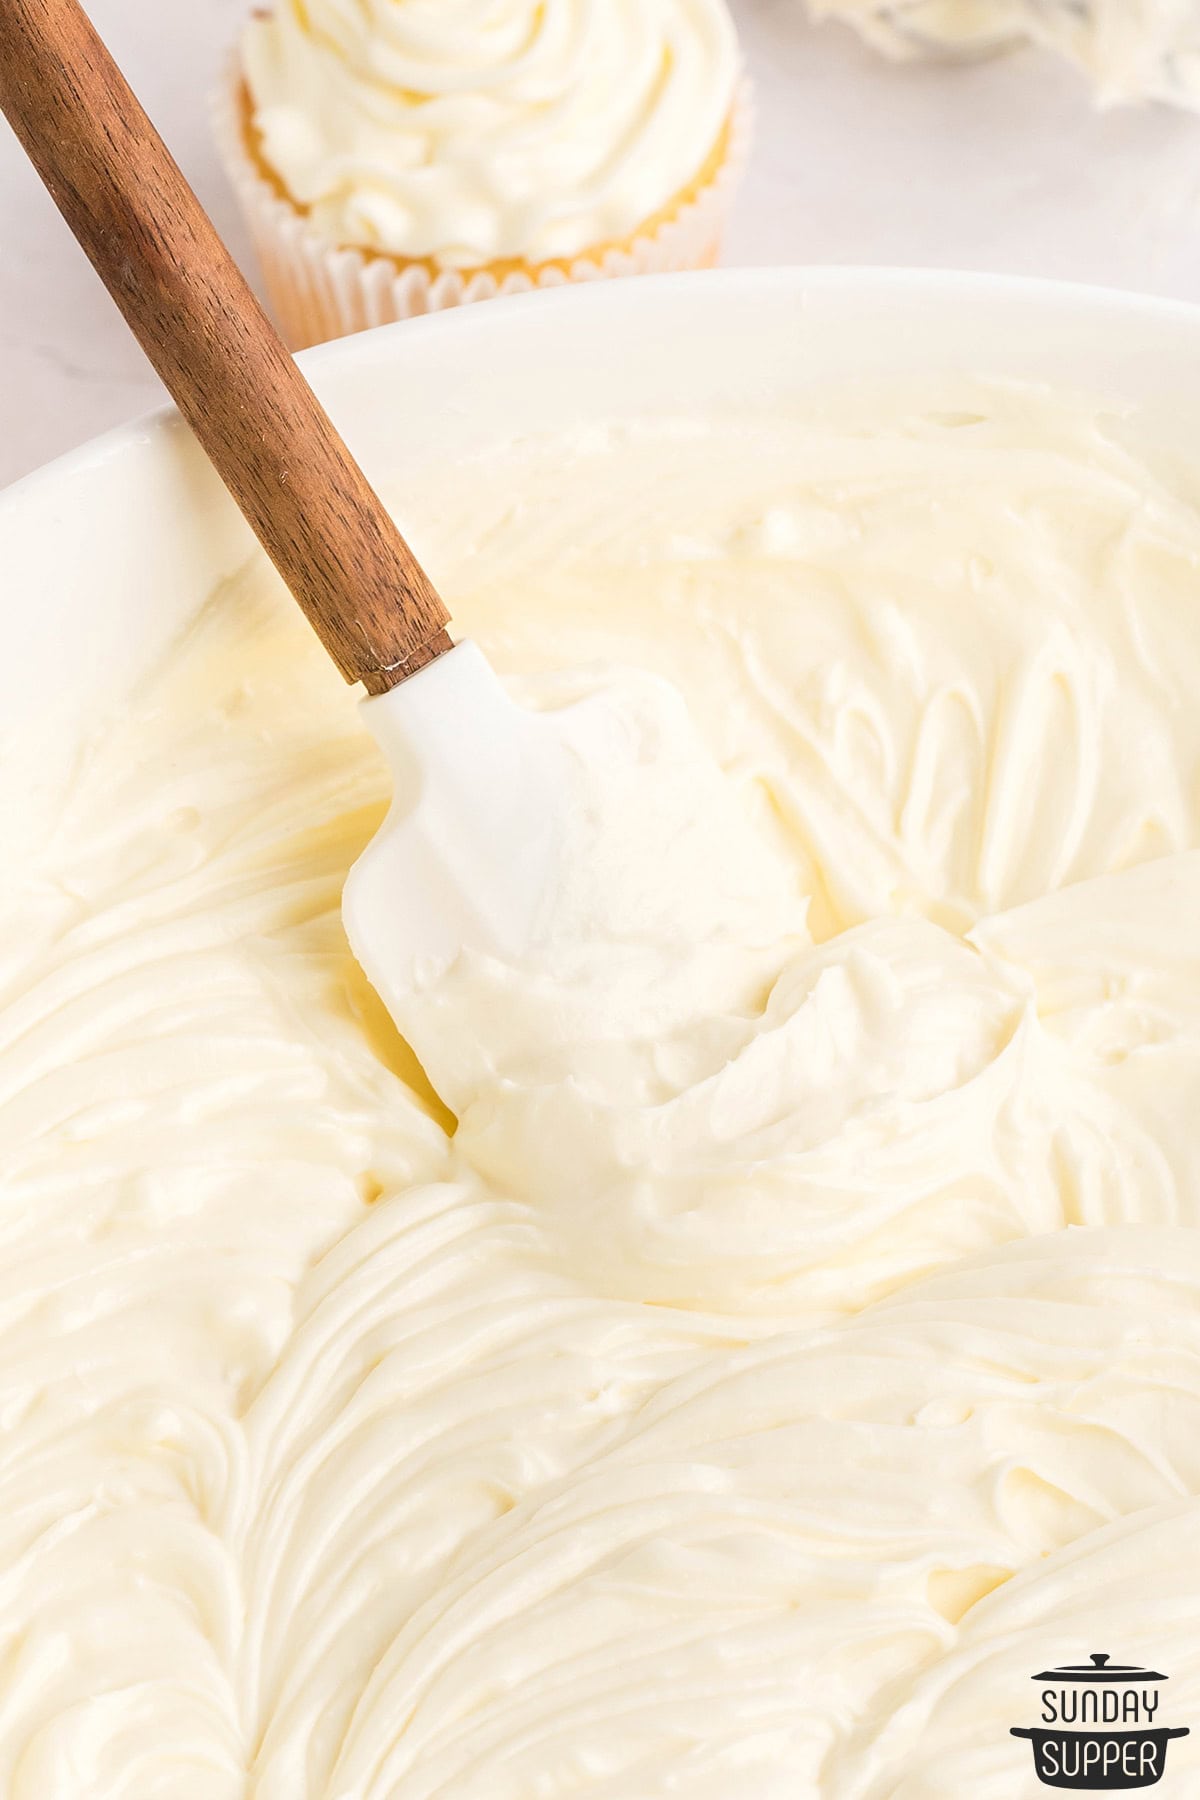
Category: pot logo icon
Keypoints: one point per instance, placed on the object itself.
(1100, 1726)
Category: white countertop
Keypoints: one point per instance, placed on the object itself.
(997, 165)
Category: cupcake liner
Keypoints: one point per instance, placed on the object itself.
(320, 290)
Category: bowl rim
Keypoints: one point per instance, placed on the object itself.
(613, 297)
(111, 548)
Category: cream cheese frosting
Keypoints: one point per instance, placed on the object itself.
(479, 131)
(1129, 49)
(790, 1340)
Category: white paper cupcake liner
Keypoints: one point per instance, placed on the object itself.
(319, 290)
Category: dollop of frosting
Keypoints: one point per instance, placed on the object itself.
(1129, 49)
(782, 1337)
(472, 132)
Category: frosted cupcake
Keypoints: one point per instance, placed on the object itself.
(397, 156)
(1129, 49)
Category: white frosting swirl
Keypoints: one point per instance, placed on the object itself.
(1129, 49)
(477, 131)
(797, 1344)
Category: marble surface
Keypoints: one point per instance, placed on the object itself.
(997, 165)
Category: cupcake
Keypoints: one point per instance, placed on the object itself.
(399, 156)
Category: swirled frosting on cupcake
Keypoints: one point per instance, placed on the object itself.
(472, 132)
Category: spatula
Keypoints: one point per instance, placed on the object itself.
(469, 846)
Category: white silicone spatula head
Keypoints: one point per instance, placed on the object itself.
(467, 855)
(471, 838)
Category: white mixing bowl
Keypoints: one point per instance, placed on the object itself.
(106, 553)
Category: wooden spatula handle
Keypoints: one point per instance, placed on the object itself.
(159, 255)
